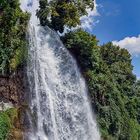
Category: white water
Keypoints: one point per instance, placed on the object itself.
(59, 104)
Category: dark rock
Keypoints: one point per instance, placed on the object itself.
(12, 88)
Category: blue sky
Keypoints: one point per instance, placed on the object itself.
(119, 21)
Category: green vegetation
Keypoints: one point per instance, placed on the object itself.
(13, 23)
(113, 89)
(6, 122)
(59, 13)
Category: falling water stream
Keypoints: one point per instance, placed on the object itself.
(59, 104)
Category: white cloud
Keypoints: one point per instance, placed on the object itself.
(132, 44)
(88, 21)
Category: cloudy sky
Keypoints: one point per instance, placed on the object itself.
(119, 21)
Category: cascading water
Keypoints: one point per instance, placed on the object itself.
(59, 104)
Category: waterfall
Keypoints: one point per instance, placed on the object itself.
(59, 105)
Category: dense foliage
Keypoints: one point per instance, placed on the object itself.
(113, 89)
(6, 122)
(13, 24)
(59, 13)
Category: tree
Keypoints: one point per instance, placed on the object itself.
(84, 47)
(59, 13)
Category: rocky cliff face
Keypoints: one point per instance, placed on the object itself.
(12, 88)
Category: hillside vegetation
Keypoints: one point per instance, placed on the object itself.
(13, 23)
(113, 88)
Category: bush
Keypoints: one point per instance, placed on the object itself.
(6, 122)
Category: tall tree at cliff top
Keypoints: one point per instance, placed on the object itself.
(59, 13)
